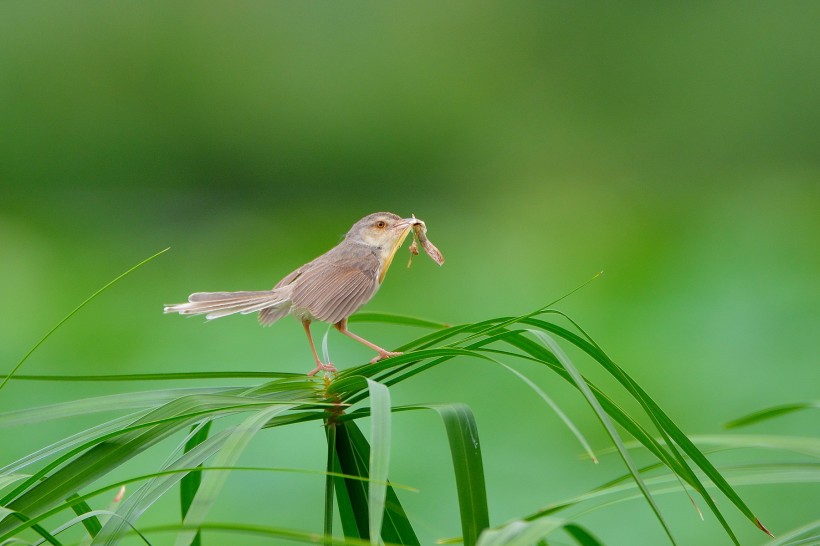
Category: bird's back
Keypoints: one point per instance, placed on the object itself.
(331, 287)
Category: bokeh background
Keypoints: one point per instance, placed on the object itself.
(673, 147)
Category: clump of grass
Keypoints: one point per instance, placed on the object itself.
(48, 483)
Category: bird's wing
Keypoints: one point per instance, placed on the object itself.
(292, 276)
(333, 289)
(271, 314)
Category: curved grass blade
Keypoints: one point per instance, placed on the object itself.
(40, 492)
(175, 472)
(605, 420)
(97, 404)
(797, 536)
(624, 489)
(83, 511)
(556, 409)
(350, 496)
(353, 455)
(802, 445)
(325, 350)
(537, 353)
(581, 535)
(465, 449)
(635, 429)
(9, 479)
(379, 457)
(368, 370)
(212, 483)
(72, 313)
(81, 518)
(160, 483)
(107, 514)
(6, 514)
(390, 318)
(171, 376)
(489, 327)
(520, 533)
(132, 505)
(259, 530)
(668, 429)
(140, 434)
(82, 437)
(330, 433)
(770, 413)
(189, 484)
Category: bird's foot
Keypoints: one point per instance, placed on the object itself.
(329, 367)
(385, 354)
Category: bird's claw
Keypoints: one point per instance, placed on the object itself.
(385, 354)
(329, 367)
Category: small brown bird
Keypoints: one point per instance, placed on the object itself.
(330, 288)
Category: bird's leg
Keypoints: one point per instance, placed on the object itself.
(319, 366)
(383, 353)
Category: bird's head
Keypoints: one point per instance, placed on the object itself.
(383, 230)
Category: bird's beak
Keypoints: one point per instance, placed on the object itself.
(400, 229)
(405, 223)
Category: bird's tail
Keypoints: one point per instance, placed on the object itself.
(221, 304)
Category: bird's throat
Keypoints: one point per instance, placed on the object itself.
(388, 258)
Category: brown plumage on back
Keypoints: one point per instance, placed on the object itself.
(330, 288)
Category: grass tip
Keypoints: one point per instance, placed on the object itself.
(763, 528)
(120, 495)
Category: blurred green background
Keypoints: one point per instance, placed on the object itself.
(674, 147)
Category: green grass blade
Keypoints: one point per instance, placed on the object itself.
(72, 313)
(379, 456)
(330, 433)
(669, 430)
(390, 318)
(89, 521)
(353, 454)
(174, 472)
(797, 536)
(189, 484)
(131, 439)
(98, 404)
(625, 489)
(520, 533)
(556, 409)
(9, 479)
(95, 514)
(40, 492)
(212, 483)
(171, 376)
(537, 353)
(6, 515)
(465, 449)
(82, 437)
(803, 445)
(351, 495)
(271, 533)
(581, 535)
(135, 504)
(770, 413)
(104, 515)
(607, 423)
(368, 370)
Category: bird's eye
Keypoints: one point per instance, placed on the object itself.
(381, 224)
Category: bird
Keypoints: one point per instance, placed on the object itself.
(329, 288)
